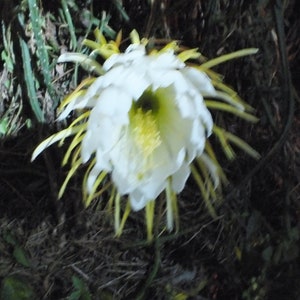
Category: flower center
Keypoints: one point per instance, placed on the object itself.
(145, 131)
(149, 101)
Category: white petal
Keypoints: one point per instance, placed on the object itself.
(166, 60)
(114, 102)
(79, 102)
(199, 80)
(92, 177)
(198, 136)
(180, 177)
(133, 52)
(137, 200)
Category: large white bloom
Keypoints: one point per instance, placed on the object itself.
(148, 122)
(144, 121)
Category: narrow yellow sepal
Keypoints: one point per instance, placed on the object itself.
(77, 92)
(242, 145)
(87, 62)
(99, 37)
(170, 46)
(172, 208)
(231, 109)
(75, 142)
(227, 149)
(223, 58)
(189, 54)
(53, 139)
(236, 100)
(117, 212)
(81, 117)
(210, 152)
(124, 219)
(71, 172)
(204, 191)
(207, 179)
(91, 44)
(119, 38)
(98, 181)
(149, 211)
(134, 37)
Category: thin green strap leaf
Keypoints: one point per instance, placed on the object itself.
(70, 24)
(29, 79)
(121, 10)
(41, 48)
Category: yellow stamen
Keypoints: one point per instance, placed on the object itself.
(145, 132)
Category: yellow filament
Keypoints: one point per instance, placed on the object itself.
(145, 132)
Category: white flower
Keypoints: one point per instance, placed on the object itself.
(144, 121)
(148, 122)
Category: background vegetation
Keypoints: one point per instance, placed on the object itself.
(57, 250)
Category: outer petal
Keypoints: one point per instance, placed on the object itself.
(180, 177)
(132, 53)
(115, 103)
(199, 80)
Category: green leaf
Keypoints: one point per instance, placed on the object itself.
(15, 288)
(71, 27)
(30, 82)
(81, 292)
(3, 126)
(9, 238)
(20, 255)
(46, 69)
